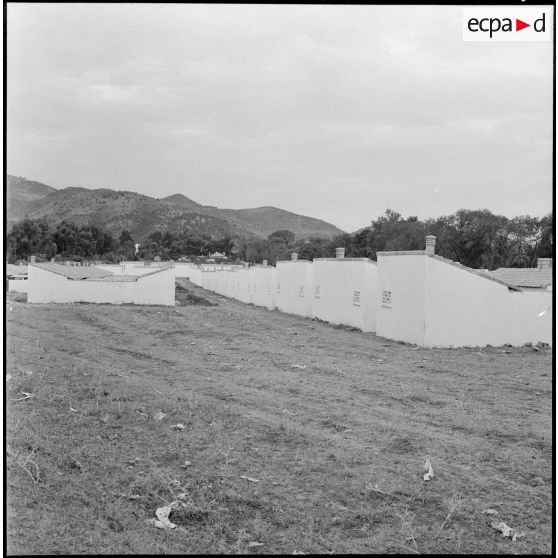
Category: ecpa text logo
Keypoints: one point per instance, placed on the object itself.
(507, 24)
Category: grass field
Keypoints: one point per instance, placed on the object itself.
(334, 424)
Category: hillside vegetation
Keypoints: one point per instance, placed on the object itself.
(142, 215)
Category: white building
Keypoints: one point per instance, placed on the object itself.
(344, 291)
(264, 286)
(52, 282)
(294, 286)
(434, 302)
(17, 278)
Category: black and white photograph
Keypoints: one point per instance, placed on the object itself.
(279, 278)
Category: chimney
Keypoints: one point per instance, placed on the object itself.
(52, 260)
(32, 259)
(430, 245)
(264, 263)
(339, 253)
(294, 256)
(544, 263)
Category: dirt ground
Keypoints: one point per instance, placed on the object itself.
(299, 436)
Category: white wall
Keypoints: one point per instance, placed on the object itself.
(184, 269)
(344, 291)
(245, 286)
(294, 287)
(264, 286)
(138, 268)
(229, 283)
(437, 304)
(135, 268)
(403, 277)
(156, 288)
(195, 276)
(207, 279)
(18, 285)
(115, 269)
(464, 309)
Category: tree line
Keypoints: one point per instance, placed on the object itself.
(475, 238)
(171, 246)
(36, 237)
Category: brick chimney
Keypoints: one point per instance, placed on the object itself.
(339, 253)
(32, 259)
(544, 263)
(294, 256)
(430, 245)
(52, 260)
(264, 263)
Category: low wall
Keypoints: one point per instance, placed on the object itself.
(184, 269)
(464, 309)
(400, 298)
(245, 286)
(154, 289)
(18, 285)
(264, 287)
(294, 287)
(344, 291)
(435, 303)
(229, 283)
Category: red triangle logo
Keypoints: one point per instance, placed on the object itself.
(519, 25)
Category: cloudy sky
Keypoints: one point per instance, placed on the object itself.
(336, 112)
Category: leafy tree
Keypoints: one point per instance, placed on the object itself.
(309, 251)
(284, 236)
(126, 245)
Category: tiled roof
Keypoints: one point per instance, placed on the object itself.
(124, 278)
(116, 278)
(402, 253)
(344, 260)
(74, 272)
(524, 277)
(12, 269)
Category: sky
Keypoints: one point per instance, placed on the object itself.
(335, 112)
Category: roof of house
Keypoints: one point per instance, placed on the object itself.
(116, 278)
(524, 277)
(74, 272)
(402, 253)
(12, 269)
(345, 260)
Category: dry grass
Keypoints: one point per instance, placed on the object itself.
(338, 447)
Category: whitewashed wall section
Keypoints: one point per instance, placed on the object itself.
(157, 288)
(264, 287)
(294, 287)
(433, 303)
(18, 285)
(344, 291)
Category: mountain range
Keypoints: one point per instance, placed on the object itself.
(141, 215)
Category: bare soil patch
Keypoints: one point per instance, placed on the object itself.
(334, 425)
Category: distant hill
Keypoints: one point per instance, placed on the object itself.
(142, 215)
(181, 201)
(262, 221)
(21, 192)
